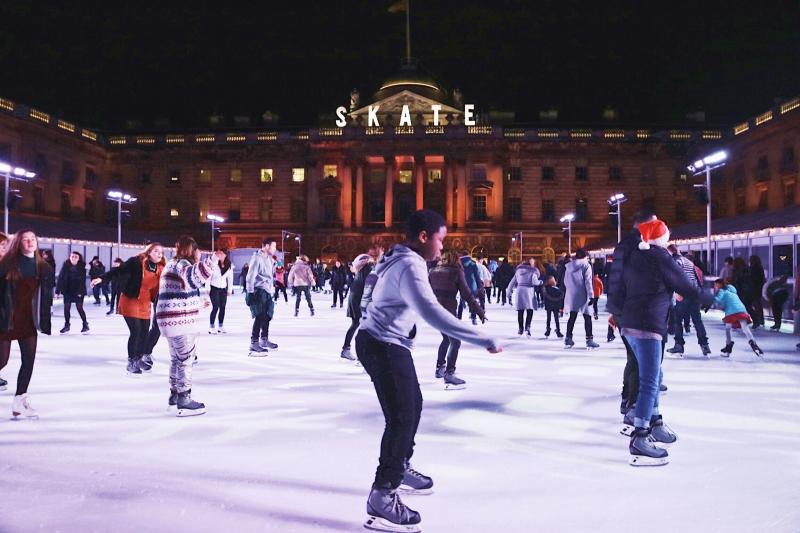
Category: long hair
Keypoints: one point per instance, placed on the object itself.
(184, 248)
(10, 263)
(451, 258)
(226, 263)
(146, 253)
(80, 265)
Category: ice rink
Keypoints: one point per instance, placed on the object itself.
(290, 441)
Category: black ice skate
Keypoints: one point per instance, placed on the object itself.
(660, 432)
(187, 406)
(546, 333)
(756, 350)
(415, 482)
(172, 403)
(677, 350)
(559, 334)
(520, 331)
(440, 370)
(706, 350)
(65, 329)
(264, 342)
(3, 384)
(256, 350)
(347, 354)
(296, 312)
(133, 368)
(453, 382)
(387, 513)
(85, 328)
(568, 342)
(643, 450)
(591, 345)
(726, 351)
(627, 423)
(312, 311)
(528, 331)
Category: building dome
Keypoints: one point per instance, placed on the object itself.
(411, 77)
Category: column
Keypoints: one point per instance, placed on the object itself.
(346, 195)
(461, 194)
(312, 193)
(419, 179)
(389, 198)
(360, 194)
(448, 192)
(497, 176)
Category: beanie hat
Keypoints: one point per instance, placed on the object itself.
(653, 232)
(360, 262)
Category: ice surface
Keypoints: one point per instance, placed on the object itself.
(290, 441)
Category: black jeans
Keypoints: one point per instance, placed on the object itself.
(152, 336)
(554, 314)
(78, 305)
(138, 328)
(299, 291)
(501, 295)
(394, 377)
(27, 350)
(280, 288)
(528, 318)
(587, 324)
(348, 338)
(260, 327)
(96, 292)
(338, 290)
(219, 300)
(112, 305)
(690, 308)
(777, 306)
(448, 349)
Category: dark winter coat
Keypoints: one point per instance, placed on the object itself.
(650, 277)
(448, 281)
(503, 275)
(42, 303)
(553, 298)
(356, 290)
(71, 282)
(472, 274)
(741, 280)
(95, 271)
(615, 286)
(338, 277)
(127, 277)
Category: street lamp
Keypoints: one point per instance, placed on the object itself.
(568, 218)
(213, 219)
(296, 236)
(16, 173)
(514, 239)
(706, 165)
(617, 201)
(120, 198)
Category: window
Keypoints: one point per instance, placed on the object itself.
(40, 164)
(581, 174)
(144, 176)
(614, 174)
(405, 176)
(66, 206)
(266, 175)
(478, 172)
(479, 207)
(376, 176)
(740, 203)
(581, 210)
(38, 199)
(174, 177)
(298, 174)
(236, 175)
(91, 178)
(234, 209)
(763, 200)
(548, 173)
(514, 209)
(266, 210)
(514, 174)
(435, 175)
(681, 176)
(330, 209)
(548, 210)
(205, 175)
(648, 175)
(788, 194)
(90, 207)
(762, 168)
(788, 162)
(173, 212)
(5, 152)
(203, 204)
(298, 210)
(330, 171)
(404, 206)
(67, 173)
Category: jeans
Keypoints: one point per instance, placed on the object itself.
(181, 355)
(280, 288)
(648, 356)
(587, 324)
(219, 300)
(448, 349)
(394, 377)
(462, 304)
(501, 295)
(528, 318)
(554, 314)
(691, 309)
(299, 291)
(96, 292)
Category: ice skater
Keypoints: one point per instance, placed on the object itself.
(525, 280)
(396, 295)
(72, 286)
(221, 286)
(362, 267)
(579, 292)
(736, 316)
(259, 297)
(27, 282)
(553, 302)
(97, 269)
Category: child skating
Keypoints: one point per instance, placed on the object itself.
(736, 316)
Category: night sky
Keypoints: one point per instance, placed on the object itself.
(102, 63)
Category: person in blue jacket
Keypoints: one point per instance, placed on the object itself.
(736, 316)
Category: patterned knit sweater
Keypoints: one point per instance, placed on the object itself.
(180, 297)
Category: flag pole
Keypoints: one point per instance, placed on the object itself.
(408, 31)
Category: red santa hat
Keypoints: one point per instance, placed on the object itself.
(653, 232)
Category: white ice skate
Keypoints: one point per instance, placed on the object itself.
(644, 460)
(212, 331)
(221, 331)
(21, 408)
(376, 523)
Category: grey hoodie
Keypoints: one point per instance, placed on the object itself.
(259, 276)
(397, 292)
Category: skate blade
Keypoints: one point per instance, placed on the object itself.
(450, 386)
(643, 460)
(626, 430)
(20, 417)
(190, 412)
(257, 354)
(133, 375)
(725, 355)
(376, 523)
(410, 491)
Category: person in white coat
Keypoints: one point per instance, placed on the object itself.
(579, 292)
(221, 287)
(525, 281)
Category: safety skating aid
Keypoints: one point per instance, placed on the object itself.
(21, 408)
(643, 450)
(386, 512)
(453, 382)
(756, 350)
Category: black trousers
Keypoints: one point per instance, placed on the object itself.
(112, 305)
(348, 337)
(777, 307)
(152, 337)
(280, 288)
(554, 314)
(448, 350)
(27, 350)
(594, 305)
(528, 318)
(587, 324)
(394, 377)
(501, 295)
(219, 300)
(138, 328)
(299, 291)
(96, 292)
(338, 290)
(78, 305)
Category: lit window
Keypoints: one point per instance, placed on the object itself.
(405, 176)
(329, 171)
(266, 175)
(435, 175)
(514, 174)
(174, 176)
(174, 213)
(298, 174)
(236, 175)
(205, 176)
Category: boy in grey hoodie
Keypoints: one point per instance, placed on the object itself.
(395, 295)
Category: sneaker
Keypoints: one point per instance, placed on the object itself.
(65, 329)
(453, 382)
(21, 407)
(264, 342)
(347, 354)
(415, 482)
(256, 350)
(133, 368)
(643, 450)
(146, 363)
(440, 371)
(221, 330)
(188, 407)
(660, 432)
(388, 513)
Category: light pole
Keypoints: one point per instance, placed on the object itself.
(296, 236)
(513, 239)
(706, 165)
(617, 201)
(17, 173)
(120, 198)
(568, 218)
(214, 219)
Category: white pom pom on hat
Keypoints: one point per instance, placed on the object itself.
(653, 232)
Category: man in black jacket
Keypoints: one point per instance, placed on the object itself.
(502, 277)
(615, 293)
